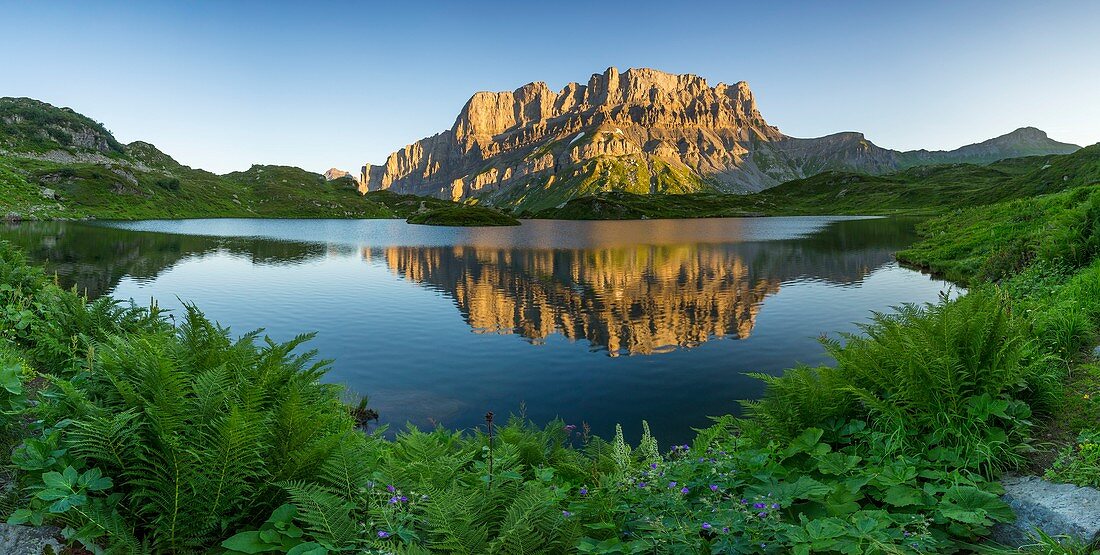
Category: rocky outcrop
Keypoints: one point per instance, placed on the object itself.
(333, 173)
(645, 130)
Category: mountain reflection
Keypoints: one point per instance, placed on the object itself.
(625, 299)
(631, 300)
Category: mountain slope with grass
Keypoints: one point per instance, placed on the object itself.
(921, 190)
(58, 164)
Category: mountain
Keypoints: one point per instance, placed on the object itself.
(640, 131)
(57, 163)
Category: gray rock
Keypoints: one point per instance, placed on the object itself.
(1057, 509)
(29, 540)
(1096, 352)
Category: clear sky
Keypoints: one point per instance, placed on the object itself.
(223, 85)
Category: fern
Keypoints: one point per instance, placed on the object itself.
(324, 514)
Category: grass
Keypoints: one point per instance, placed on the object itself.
(926, 190)
(465, 216)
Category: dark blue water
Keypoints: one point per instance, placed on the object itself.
(592, 322)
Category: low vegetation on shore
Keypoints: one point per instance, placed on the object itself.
(138, 433)
(464, 216)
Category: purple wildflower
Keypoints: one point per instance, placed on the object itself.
(569, 428)
(762, 515)
(684, 490)
(566, 514)
(775, 505)
(706, 526)
(760, 505)
(653, 466)
(383, 534)
(714, 487)
(404, 499)
(393, 500)
(390, 488)
(584, 491)
(641, 484)
(725, 529)
(672, 484)
(744, 501)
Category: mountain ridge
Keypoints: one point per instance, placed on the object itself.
(640, 131)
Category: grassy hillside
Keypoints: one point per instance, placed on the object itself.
(915, 191)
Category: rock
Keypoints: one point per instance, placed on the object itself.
(1096, 352)
(49, 194)
(333, 173)
(29, 540)
(1056, 509)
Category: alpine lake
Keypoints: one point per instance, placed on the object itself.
(593, 323)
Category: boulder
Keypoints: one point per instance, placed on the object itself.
(29, 540)
(1056, 509)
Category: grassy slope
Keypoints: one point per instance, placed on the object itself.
(922, 190)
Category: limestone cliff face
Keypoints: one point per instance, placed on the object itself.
(522, 137)
(333, 173)
(641, 131)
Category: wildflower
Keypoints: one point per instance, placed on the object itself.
(566, 514)
(744, 501)
(390, 488)
(584, 491)
(763, 546)
(404, 499)
(714, 487)
(706, 526)
(383, 534)
(762, 515)
(775, 505)
(641, 485)
(393, 500)
(725, 529)
(760, 505)
(653, 466)
(684, 490)
(569, 428)
(672, 484)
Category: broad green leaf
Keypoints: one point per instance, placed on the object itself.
(247, 542)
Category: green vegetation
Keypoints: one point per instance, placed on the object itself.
(140, 435)
(925, 190)
(469, 216)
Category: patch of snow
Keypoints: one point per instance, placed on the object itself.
(577, 138)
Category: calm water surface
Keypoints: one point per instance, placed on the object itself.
(597, 322)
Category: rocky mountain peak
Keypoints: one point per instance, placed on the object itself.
(641, 131)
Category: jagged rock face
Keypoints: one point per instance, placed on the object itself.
(641, 131)
(505, 138)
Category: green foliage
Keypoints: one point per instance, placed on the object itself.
(1079, 463)
(950, 379)
(463, 215)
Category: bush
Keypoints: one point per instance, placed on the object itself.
(951, 378)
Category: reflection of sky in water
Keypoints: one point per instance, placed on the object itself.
(444, 333)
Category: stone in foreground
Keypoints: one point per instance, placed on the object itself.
(1056, 509)
(28, 540)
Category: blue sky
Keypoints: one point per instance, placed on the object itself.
(223, 85)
